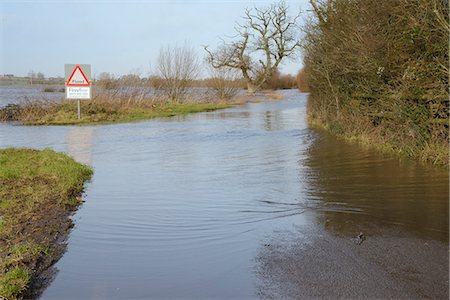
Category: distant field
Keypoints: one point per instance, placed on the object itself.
(27, 81)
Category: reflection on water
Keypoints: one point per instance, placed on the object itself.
(180, 207)
(79, 143)
(400, 206)
(359, 188)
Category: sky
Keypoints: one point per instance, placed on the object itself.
(119, 37)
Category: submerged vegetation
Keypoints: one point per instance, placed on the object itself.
(38, 192)
(378, 73)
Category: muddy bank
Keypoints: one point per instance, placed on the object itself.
(39, 190)
(389, 263)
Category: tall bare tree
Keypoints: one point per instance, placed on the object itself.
(177, 66)
(266, 37)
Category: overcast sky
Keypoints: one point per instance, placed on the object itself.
(120, 37)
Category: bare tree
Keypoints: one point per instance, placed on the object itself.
(224, 82)
(266, 37)
(133, 87)
(177, 66)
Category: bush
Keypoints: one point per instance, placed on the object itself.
(225, 83)
(280, 81)
(177, 67)
(381, 68)
(302, 83)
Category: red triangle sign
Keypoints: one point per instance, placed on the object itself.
(78, 78)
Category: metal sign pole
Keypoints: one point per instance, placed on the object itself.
(79, 109)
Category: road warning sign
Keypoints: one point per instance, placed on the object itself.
(78, 78)
(78, 81)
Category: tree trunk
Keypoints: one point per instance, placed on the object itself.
(251, 88)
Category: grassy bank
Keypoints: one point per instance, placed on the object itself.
(435, 153)
(100, 111)
(378, 74)
(38, 192)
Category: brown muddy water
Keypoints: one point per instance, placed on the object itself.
(243, 203)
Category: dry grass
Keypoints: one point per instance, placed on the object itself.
(103, 109)
(272, 95)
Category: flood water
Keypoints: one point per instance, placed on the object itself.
(182, 207)
(19, 94)
(24, 94)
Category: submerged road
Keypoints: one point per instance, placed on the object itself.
(247, 202)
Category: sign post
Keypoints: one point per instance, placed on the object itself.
(78, 83)
(79, 109)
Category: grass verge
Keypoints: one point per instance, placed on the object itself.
(436, 154)
(100, 111)
(39, 189)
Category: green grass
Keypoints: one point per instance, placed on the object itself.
(37, 192)
(14, 282)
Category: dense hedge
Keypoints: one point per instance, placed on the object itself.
(378, 71)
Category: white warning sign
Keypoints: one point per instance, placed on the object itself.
(78, 92)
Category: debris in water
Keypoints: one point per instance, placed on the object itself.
(360, 238)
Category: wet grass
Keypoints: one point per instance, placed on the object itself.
(101, 111)
(38, 192)
(435, 154)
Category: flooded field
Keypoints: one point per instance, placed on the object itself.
(246, 202)
(21, 94)
(18, 94)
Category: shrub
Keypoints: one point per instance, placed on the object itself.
(383, 63)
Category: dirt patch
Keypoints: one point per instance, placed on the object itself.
(48, 226)
(388, 264)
